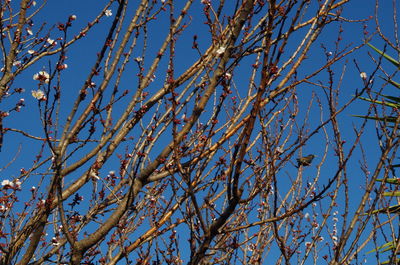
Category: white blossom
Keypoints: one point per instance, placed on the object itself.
(221, 50)
(38, 94)
(94, 175)
(6, 182)
(51, 41)
(363, 75)
(279, 150)
(42, 76)
(251, 247)
(108, 13)
(55, 242)
(17, 183)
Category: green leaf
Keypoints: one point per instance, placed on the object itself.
(384, 103)
(392, 99)
(390, 209)
(391, 82)
(387, 57)
(385, 247)
(395, 181)
(394, 83)
(388, 261)
(387, 119)
(392, 193)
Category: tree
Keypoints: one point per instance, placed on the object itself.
(180, 144)
(384, 111)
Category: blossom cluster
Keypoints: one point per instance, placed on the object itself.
(7, 184)
(42, 76)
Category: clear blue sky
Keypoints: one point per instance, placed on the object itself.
(82, 56)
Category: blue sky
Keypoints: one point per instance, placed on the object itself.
(82, 56)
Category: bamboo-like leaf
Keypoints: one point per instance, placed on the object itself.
(385, 103)
(392, 193)
(385, 247)
(390, 209)
(394, 100)
(395, 181)
(395, 84)
(388, 261)
(387, 119)
(387, 57)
